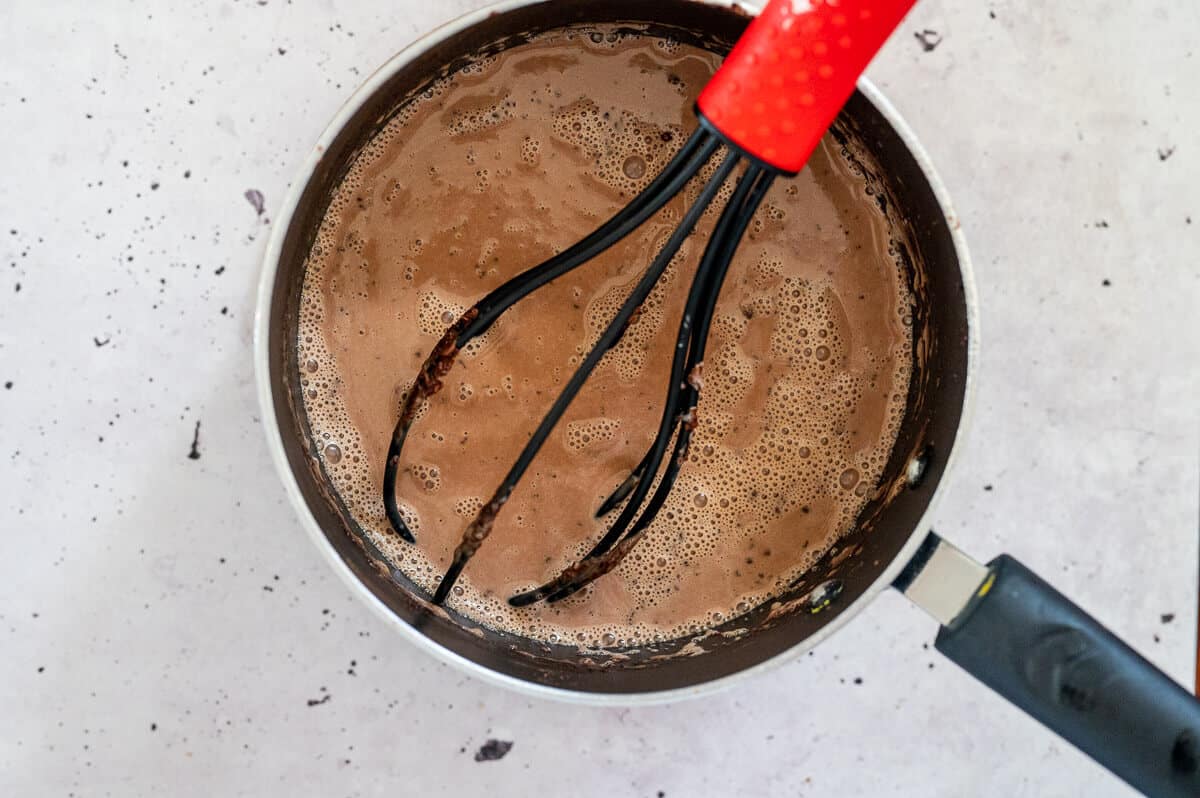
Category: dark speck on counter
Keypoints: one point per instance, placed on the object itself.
(256, 200)
(493, 750)
(194, 453)
(929, 39)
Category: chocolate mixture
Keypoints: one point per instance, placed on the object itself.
(490, 172)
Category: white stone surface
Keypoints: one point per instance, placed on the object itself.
(164, 623)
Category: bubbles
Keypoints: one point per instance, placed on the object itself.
(848, 478)
(530, 151)
(625, 149)
(668, 45)
(471, 117)
(634, 167)
(333, 453)
(427, 477)
(468, 507)
(437, 312)
(586, 434)
(627, 357)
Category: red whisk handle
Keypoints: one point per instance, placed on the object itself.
(792, 71)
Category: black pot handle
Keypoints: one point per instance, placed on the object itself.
(1032, 645)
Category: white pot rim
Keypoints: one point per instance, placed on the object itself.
(283, 221)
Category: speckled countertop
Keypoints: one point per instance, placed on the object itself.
(166, 628)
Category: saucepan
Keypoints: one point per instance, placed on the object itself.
(998, 621)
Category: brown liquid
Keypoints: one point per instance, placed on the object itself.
(489, 173)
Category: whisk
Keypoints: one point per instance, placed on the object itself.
(768, 106)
